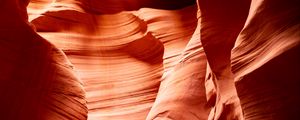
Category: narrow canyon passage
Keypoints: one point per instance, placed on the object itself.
(149, 60)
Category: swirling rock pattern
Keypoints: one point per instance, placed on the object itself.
(264, 61)
(150, 59)
(137, 43)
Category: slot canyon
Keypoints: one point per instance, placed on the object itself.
(149, 59)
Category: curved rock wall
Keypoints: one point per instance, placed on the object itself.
(150, 59)
(37, 79)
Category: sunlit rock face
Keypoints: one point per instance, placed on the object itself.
(150, 59)
(120, 57)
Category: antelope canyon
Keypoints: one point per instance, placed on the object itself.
(149, 59)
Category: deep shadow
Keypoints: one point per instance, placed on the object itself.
(272, 91)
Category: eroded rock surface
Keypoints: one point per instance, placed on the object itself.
(150, 59)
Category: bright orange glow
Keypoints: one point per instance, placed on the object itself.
(149, 59)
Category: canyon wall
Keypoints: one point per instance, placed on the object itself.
(150, 59)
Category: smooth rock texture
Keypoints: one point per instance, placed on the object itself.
(38, 82)
(265, 61)
(121, 70)
(150, 60)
